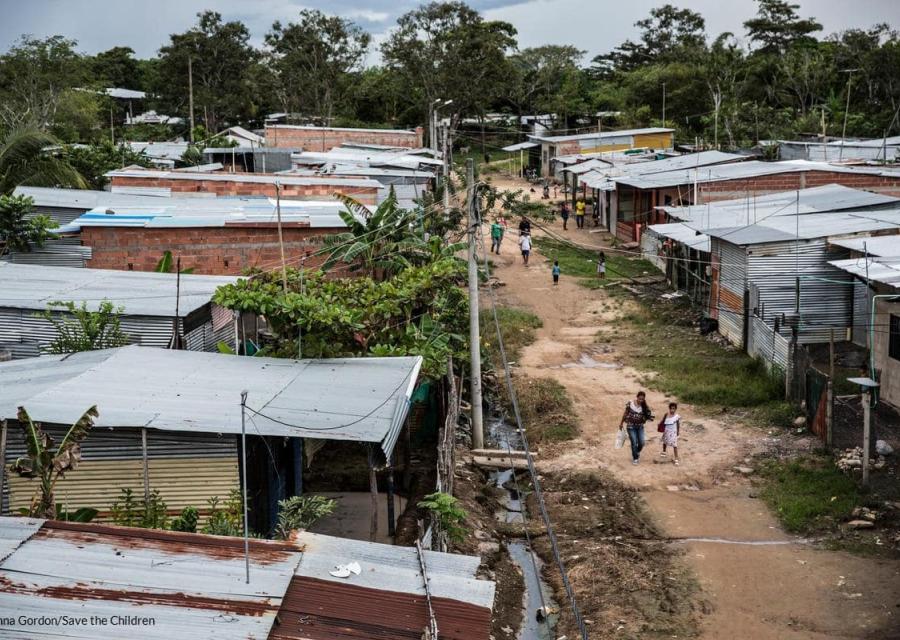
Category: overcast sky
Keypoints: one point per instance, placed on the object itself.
(593, 25)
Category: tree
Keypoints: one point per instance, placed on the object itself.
(541, 74)
(18, 230)
(34, 74)
(301, 512)
(28, 157)
(447, 51)
(777, 26)
(117, 67)
(668, 35)
(95, 161)
(312, 58)
(221, 59)
(722, 72)
(49, 464)
(83, 330)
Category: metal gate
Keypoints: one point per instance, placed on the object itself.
(817, 403)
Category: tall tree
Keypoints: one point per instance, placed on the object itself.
(312, 58)
(540, 73)
(221, 57)
(667, 35)
(117, 67)
(777, 26)
(447, 51)
(35, 74)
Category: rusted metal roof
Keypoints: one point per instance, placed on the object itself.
(387, 599)
(154, 584)
(142, 583)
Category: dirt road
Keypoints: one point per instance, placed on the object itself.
(778, 587)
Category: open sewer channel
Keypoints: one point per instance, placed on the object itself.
(501, 434)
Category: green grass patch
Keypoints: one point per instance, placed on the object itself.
(809, 494)
(699, 371)
(547, 410)
(517, 328)
(582, 263)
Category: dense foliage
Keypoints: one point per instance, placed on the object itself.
(20, 231)
(80, 329)
(778, 78)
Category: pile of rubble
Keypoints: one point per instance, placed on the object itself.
(852, 459)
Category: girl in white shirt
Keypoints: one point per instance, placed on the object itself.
(672, 428)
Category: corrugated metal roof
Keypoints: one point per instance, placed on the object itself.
(521, 146)
(739, 211)
(14, 532)
(885, 270)
(244, 177)
(314, 128)
(140, 293)
(356, 399)
(393, 568)
(80, 198)
(160, 150)
(880, 246)
(680, 232)
(190, 585)
(588, 165)
(214, 212)
(124, 94)
(808, 227)
(603, 134)
(364, 157)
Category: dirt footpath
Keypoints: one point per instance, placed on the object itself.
(779, 587)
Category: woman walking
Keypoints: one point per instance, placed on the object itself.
(636, 414)
(672, 427)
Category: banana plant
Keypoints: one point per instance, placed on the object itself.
(49, 463)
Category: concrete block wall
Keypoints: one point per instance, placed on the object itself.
(729, 189)
(212, 251)
(323, 190)
(324, 139)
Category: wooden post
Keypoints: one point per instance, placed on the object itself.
(2, 455)
(146, 463)
(392, 525)
(867, 429)
(373, 492)
(829, 390)
(191, 97)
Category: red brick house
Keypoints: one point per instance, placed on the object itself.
(244, 184)
(325, 138)
(636, 199)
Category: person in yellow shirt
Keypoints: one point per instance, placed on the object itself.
(579, 214)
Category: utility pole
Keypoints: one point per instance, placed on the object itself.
(474, 329)
(664, 103)
(191, 95)
(849, 73)
(244, 483)
(280, 237)
(446, 158)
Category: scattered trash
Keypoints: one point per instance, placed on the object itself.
(344, 570)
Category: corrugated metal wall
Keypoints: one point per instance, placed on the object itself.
(732, 284)
(826, 294)
(26, 335)
(59, 252)
(187, 469)
(862, 309)
(770, 347)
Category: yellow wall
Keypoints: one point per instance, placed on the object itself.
(181, 482)
(608, 147)
(655, 140)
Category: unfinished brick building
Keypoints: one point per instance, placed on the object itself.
(245, 184)
(326, 138)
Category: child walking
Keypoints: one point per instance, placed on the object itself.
(672, 424)
(555, 272)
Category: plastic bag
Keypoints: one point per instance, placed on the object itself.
(620, 438)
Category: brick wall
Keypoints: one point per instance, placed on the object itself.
(323, 190)
(323, 139)
(728, 189)
(211, 251)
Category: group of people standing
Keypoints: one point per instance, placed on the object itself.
(636, 414)
(564, 213)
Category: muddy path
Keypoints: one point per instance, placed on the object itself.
(780, 588)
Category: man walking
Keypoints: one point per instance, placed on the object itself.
(579, 214)
(496, 237)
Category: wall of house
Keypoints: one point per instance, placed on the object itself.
(728, 189)
(888, 367)
(112, 461)
(321, 190)
(324, 139)
(211, 251)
